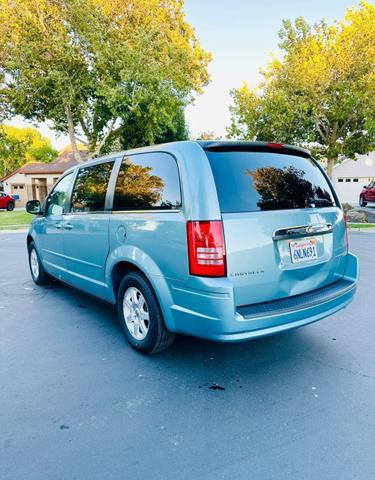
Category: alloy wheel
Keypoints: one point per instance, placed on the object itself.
(136, 313)
(34, 263)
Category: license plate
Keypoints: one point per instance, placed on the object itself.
(303, 250)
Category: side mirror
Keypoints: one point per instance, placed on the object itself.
(34, 207)
(364, 186)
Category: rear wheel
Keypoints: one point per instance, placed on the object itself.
(362, 202)
(10, 206)
(38, 274)
(140, 315)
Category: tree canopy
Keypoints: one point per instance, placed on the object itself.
(321, 94)
(22, 145)
(97, 68)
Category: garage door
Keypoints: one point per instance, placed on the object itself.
(20, 192)
(348, 189)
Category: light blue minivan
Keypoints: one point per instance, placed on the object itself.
(223, 240)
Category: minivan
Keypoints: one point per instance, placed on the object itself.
(227, 241)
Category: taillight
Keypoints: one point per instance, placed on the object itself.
(206, 248)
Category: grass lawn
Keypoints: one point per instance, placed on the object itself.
(361, 225)
(14, 220)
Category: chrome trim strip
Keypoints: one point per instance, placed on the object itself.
(116, 212)
(98, 212)
(110, 212)
(302, 231)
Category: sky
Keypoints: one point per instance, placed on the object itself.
(241, 35)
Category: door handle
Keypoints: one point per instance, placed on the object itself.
(58, 226)
(68, 226)
(303, 231)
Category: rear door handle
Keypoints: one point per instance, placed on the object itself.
(303, 231)
(68, 226)
(58, 226)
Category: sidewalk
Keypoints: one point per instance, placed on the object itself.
(20, 230)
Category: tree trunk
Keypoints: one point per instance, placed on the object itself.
(330, 163)
(69, 117)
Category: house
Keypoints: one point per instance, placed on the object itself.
(350, 176)
(33, 180)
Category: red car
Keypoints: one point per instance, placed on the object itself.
(367, 194)
(6, 201)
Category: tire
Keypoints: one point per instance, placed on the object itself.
(140, 315)
(362, 203)
(38, 274)
(10, 207)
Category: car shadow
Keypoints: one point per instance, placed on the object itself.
(216, 364)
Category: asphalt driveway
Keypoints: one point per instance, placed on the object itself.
(76, 402)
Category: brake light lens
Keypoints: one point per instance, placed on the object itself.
(275, 145)
(206, 248)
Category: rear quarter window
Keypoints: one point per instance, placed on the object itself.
(148, 181)
(255, 181)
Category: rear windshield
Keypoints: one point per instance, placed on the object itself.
(254, 181)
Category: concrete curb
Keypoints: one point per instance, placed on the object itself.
(363, 230)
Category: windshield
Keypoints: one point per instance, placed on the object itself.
(254, 181)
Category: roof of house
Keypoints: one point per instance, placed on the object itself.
(363, 166)
(64, 161)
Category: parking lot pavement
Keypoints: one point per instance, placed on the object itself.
(77, 403)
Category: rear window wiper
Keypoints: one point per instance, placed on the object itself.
(313, 202)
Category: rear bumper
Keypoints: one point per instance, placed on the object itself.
(211, 315)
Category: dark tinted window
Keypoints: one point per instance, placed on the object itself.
(148, 181)
(90, 188)
(252, 181)
(56, 200)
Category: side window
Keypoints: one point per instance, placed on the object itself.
(90, 188)
(148, 181)
(55, 203)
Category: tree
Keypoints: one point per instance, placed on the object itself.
(176, 130)
(286, 187)
(22, 145)
(96, 68)
(146, 127)
(208, 135)
(137, 186)
(321, 94)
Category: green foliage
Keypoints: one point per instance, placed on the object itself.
(176, 130)
(321, 94)
(22, 145)
(100, 68)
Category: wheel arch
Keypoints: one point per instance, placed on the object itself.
(29, 239)
(119, 270)
(158, 284)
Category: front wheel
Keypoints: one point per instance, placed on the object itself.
(140, 315)
(38, 274)
(10, 207)
(362, 202)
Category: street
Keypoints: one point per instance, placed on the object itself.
(76, 402)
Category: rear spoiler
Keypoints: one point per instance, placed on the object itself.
(225, 146)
